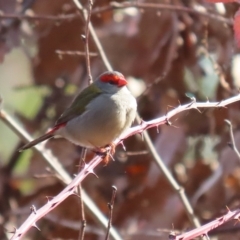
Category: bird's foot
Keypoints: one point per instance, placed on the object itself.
(106, 152)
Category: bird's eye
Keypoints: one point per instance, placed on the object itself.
(112, 82)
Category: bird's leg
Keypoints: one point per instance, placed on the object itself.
(82, 159)
(106, 152)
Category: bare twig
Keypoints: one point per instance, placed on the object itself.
(94, 36)
(61, 17)
(110, 206)
(83, 219)
(180, 190)
(158, 6)
(217, 68)
(74, 53)
(233, 144)
(116, 5)
(150, 85)
(86, 40)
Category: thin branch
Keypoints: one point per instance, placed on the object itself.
(116, 5)
(83, 219)
(94, 37)
(110, 206)
(86, 40)
(233, 144)
(180, 190)
(74, 53)
(158, 6)
(217, 68)
(36, 17)
(87, 17)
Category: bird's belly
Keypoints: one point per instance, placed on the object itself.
(101, 123)
(94, 131)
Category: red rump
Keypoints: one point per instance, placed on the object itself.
(55, 128)
(114, 79)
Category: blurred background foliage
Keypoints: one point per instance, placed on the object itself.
(173, 52)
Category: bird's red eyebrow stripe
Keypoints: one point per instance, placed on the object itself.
(118, 80)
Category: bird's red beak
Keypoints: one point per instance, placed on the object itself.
(122, 82)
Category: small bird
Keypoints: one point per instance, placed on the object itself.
(97, 116)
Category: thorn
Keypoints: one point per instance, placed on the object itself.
(236, 222)
(141, 133)
(190, 104)
(190, 96)
(33, 209)
(48, 198)
(123, 146)
(172, 235)
(92, 172)
(168, 123)
(111, 156)
(179, 103)
(14, 230)
(197, 109)
(205, 234)
(110, 207)
(35, 225)
(157, 129)
(142, 121)
(83, 38)
(170, 106)
(86, 165)
(228, 209)
(76, 195)
(81, 166)
(227, 121)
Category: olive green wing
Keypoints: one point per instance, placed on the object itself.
(79, 104)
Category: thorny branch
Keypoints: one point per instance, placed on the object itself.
(57, 167)
(231, 215)
(89, 168)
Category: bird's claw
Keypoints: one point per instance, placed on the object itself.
(106, 152)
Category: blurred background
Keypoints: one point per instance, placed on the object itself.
(169, 52)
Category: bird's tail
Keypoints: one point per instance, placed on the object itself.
(36, 141)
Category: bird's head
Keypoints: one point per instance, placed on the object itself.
(111, 81)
